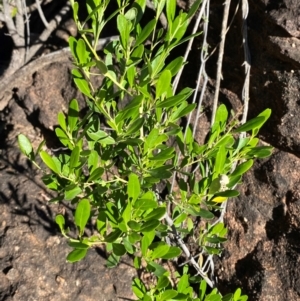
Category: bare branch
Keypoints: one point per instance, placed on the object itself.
(2, 17)
(47, 32)
(220, 58)
(20, 23)
(41, 13)
(247, 62)
(10, 23)
(186, 251)
(27, 42)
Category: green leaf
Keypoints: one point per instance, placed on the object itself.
(256, 122)
(213, 297)
(101, 222)
(260, 151)
(150, 141)
(168, 295)
(193, 8)
(47, 159)
(113, 236)
(162, 282)
(162, 172)
(60, 220)
(138, 288)
(82, 215)
(202, 289)
(156, 268)
(96, 174)
(131, 14)
(102, 67)
(72, 191)
(130, 109)
(163, 83)
(112, 213)
(173, 252)
(81, 83)
(62, 120)
(134, 225)
(118, 249)
(156, 213)
(182, 111)
(221, 115)
(242, 168)
(112, 261)
(93, 161)
(133, 187)
(150, 225)
(74, 159)
(146, 241)
(73, 114)
(175, 100)
(76, 255)
(220, 160)
(131, 72)
(160, 6)
(202, 213)
(145, 32)
(78, 245)
(102, 137)
(183, 283)
(72, 45)
(144, 204)
(25, 145)
(123, 26)
(175, 65)
(171, 9)
(135, 126)
(128, 246)
(63, 137)
(160, 251)
(81, 51)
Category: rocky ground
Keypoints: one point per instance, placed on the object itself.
(263, 250)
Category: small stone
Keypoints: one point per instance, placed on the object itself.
(12, 275)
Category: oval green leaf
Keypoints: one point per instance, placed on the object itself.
(150, 225)
(47, 159)
(118, 249)
(25, 145)
(133, 187)
(76, 255)
(82, 214)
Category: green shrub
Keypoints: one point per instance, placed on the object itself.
(130, 143)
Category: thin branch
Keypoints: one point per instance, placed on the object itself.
(10, 23)
(220, 59)
(41, 13)
(188, 49)
(247, 62)
(20, 22)
(2, 17)
(27, 41)
(47, 32)
(178, 76)
(186, 251)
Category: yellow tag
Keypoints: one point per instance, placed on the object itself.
(219, 199)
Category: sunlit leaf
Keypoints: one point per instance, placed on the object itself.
(25, 145)
(82, 214)
(76, 255)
